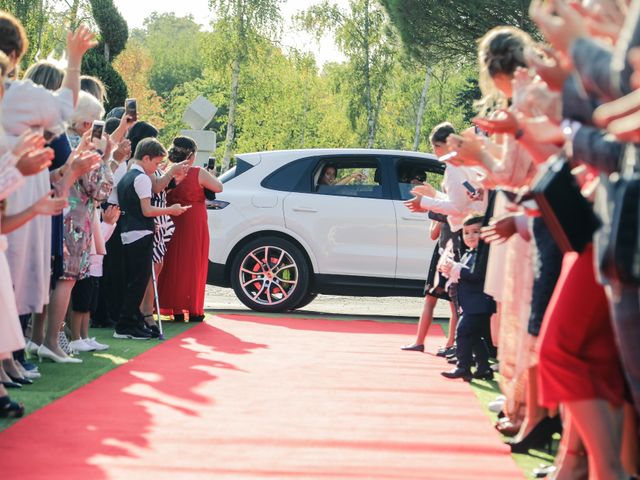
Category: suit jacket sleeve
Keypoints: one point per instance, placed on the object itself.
(594, 147)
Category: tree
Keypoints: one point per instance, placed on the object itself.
(176, 46)
(362, 33)
(433, 30)
(113, 38)
(249, 19)
(134, 65)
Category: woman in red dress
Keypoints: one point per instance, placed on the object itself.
(184, 275)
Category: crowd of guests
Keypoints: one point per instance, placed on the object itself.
(549, 180)
(95, 222)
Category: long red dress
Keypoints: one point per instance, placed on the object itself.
(184, 274)
(578, 354)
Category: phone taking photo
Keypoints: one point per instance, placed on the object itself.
(97, 131)
(211, 164)
(131, 109)
(469, 187)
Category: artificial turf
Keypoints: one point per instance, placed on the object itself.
(60, 379)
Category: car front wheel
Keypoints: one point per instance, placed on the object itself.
(270, 275)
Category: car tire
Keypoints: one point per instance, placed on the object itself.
(306, 301)
(270, 274)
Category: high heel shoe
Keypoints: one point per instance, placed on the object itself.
(540, 436)
(44, 352)
(9, 409)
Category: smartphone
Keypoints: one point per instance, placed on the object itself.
(131, 109)
(97, 130)
(448, 156)
(469, 187)
(211, 164)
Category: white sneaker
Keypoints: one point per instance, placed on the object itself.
(95, 344)
(81, 346)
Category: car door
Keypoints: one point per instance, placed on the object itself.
(351, 228)
(415, 246)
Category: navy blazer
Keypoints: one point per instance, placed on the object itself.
(471, 296)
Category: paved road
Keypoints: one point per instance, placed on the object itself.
(402, 309)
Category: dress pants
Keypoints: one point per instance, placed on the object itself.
(138, 259)
(112, 283)
(473, 336)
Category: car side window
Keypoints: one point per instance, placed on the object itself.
(412, 174)
(349, 178)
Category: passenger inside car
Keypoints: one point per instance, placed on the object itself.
(328, 176)
(409, 177)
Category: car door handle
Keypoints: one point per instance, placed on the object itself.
(415, 218)
(305, 209)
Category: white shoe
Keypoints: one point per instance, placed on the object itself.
(95, 344)
(80, 346)
(31, 375)
(496, 405)
(44, 352)
(32, 348)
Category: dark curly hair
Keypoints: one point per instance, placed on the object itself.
(13, 38)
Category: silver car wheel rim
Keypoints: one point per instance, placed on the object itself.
(268, 275)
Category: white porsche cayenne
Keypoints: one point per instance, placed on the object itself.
(279, 238)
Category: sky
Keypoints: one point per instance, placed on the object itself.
(135, 12)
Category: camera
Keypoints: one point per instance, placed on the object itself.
(131, 109)
(211, 164)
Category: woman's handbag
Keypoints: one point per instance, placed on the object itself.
(621, 260)
(567, 213)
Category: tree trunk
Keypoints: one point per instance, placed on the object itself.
(421, 107)
(231, 123)
(376, 112)
(367, 79)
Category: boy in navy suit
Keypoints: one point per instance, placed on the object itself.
(473, 334)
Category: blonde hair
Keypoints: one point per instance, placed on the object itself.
(87, 109)
(500, 51)
(94, 86)
(45, 73)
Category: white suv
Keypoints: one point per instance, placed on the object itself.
(279, 239)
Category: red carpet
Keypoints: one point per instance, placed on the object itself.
(249, 397)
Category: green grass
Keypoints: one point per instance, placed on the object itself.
(60, 379)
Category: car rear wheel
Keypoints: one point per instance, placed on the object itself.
(270, 275)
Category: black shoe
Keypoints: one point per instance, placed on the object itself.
(11, 385)
(540, 436)
(132, 333)
(178, 317)
(153, 330)
(483, 375)
(462, 373)
(451, 355)
(452, 360)
(20, 380)
(443, 352)
(196, 318)
(9, 409)
(413, 348)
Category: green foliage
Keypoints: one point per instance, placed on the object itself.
(94, 63)
(176, 45)
(113, 27)
(442, 29)
(466, 98)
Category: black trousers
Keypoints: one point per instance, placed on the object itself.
(138, 260)
(473, 335)
(112, 283)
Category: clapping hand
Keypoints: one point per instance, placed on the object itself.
(32, 155)
(425, 190)
(111, 214)
(500, 229)
(50, 205)
(413, 204)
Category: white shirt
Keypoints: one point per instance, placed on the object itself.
(456, 204)
(117, 176)
(143, 187)
(95, 259)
